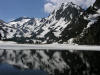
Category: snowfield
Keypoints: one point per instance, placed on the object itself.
(7, 42)
(12, 45)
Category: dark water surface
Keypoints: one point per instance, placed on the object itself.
(6, 69)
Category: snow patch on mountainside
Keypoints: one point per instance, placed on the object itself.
(18, 23)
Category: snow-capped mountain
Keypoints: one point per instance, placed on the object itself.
(68, 24)
(45, 30)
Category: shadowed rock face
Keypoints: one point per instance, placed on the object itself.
(91, 35)
(70, 23)
(97, 3)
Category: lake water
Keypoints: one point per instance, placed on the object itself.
(6, 69)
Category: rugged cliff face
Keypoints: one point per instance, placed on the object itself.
(69, 24)
(91, 34)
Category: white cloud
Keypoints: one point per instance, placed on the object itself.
(49, 7)
(53, 4)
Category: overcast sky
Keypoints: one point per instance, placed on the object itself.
(11, 9)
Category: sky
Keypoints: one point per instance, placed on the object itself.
(12, 9)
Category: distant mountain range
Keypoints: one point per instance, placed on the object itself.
(70, 24)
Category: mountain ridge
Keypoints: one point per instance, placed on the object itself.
(46, 30)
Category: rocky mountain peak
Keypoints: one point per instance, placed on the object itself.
(21, 18)
(68, 11)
